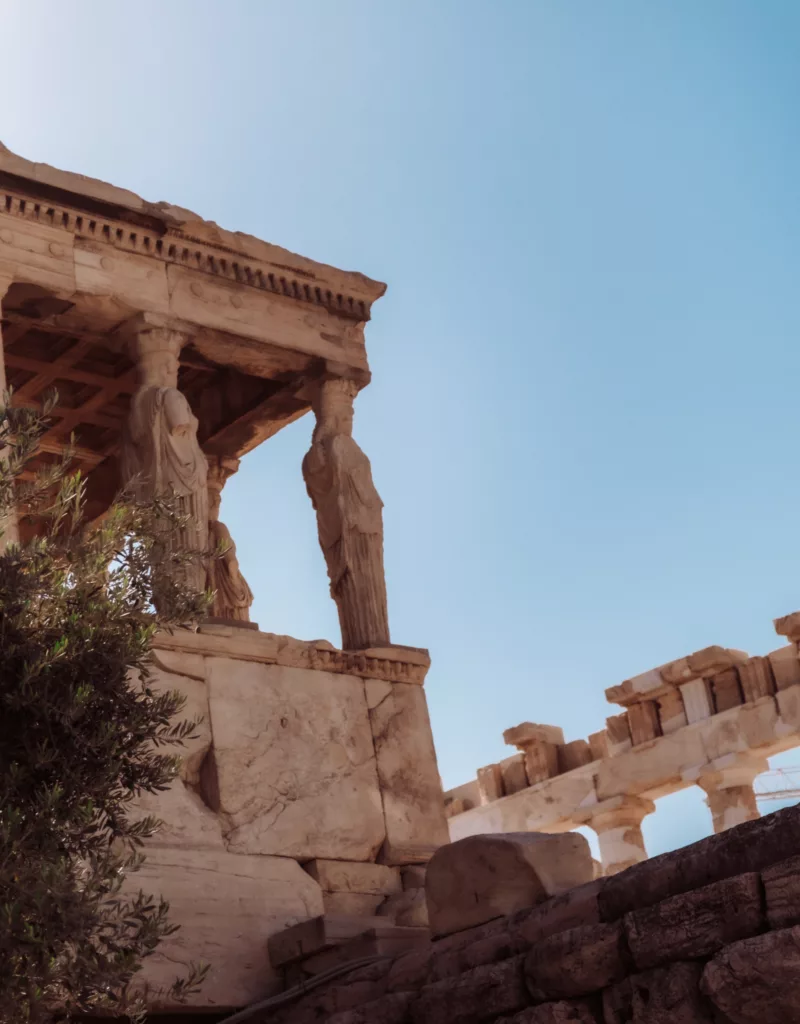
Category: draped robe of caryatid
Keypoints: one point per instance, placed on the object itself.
(232, 596)
(161, 457)
(349, 511)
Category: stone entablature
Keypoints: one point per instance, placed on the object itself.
(395, 664)
(92, 210)
(710, 719)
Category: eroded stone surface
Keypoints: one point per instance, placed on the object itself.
(562, 1012)
(295, 762)
(227, 906)
(782, 891)
(576, 962)
(354, 876)
(753, 846)
(696, 924)
(484, 877)
(479, 995)
(188, 822)
(410, 787)
(757, 981)
(665, 995)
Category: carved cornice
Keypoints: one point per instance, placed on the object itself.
(172, 245)
(393, 664)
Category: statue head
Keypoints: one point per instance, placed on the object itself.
(156, 352)
(333, 406)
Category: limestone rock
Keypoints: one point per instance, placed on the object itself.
(576, 962)
(562, 1012)
(245, 900)
(756, 678)
(753, 846)
(619, 734)
(294, 761)
(354, 876)
(477, 996)
(782, 890)
(392, 1009)
(785, 666)
(410, 787)
(695, 924)
(573, 909)
(727, 690)
(352, 904)
(671, 713)
(574, 755)
(513, 774)
(598, 745)
(409, 909)
(490, 783)
(757, 980)
(665, 995)
(697, 700)
(643, 721)
(788, 626)
(315, 935)
(483, 877)
(413, 876)
(528, 732)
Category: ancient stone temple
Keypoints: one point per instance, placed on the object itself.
(176, 348)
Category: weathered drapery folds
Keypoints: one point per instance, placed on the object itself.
(161, 456)
(349, 518)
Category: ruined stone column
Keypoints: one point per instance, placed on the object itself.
(9, 527)
(728, 785)
(349, 511)
(617, 823)
(161, 456)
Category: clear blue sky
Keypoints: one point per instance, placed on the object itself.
(584, 414)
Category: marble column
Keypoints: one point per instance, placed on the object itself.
(161, 456)
(618, 824)
(338, 479)
(728, 785)
(9, 527)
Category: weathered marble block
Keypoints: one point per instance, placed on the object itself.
(413, 802)
(227, 906)
(293, 762)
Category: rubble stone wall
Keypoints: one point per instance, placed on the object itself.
(709, 934)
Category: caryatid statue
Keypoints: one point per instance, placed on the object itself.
(232, 596)
(349, 518)
(161, 457)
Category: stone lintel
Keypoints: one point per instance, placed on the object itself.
(658, 681)
(393, 664)
(731, 771)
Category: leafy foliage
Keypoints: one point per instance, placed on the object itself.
(82, 733)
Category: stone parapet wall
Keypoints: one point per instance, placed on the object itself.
(309, 787)
(709, 933)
